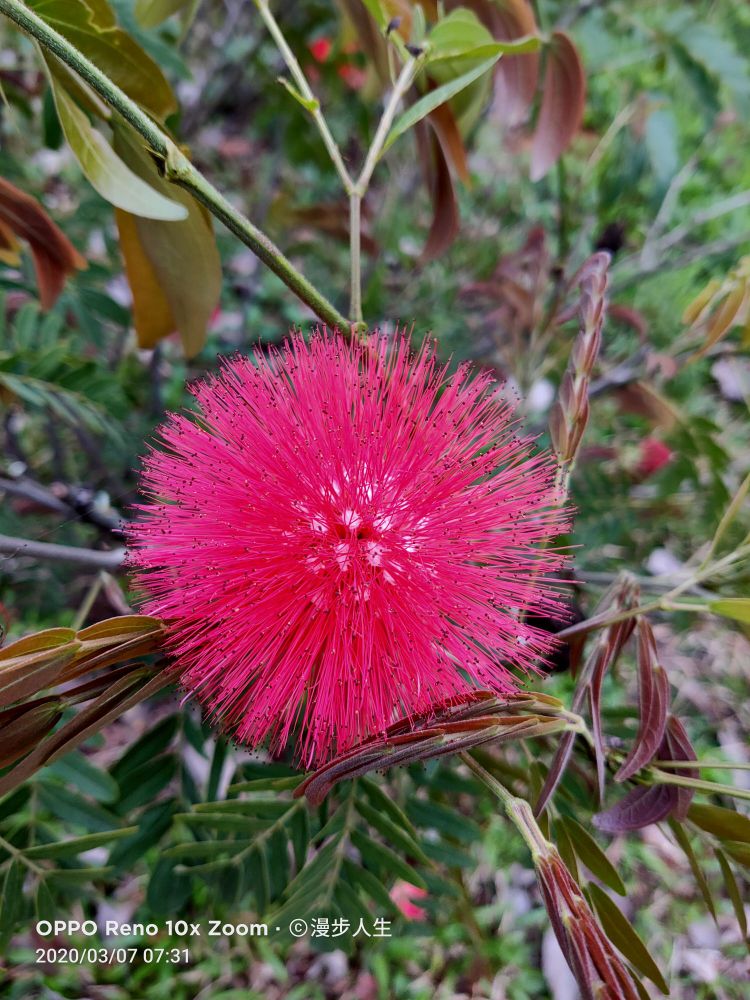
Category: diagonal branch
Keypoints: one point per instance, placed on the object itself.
(177, 168)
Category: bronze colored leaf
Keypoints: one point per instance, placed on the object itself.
(54, 255)
(26, 675)
(125, 692)
(563, 99)
(172, 266)
(50, 638)
(152, 316)
(458, 724)
(642, 399)
(21, 730)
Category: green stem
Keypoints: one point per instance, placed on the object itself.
(178, 168)
(664, 603)
(714, 787)
(304, 88)
(518, 811)
(404, 81)
(355, 251)
(20, 856)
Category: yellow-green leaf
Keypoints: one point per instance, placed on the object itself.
(151, 13)
(105, 170)
(732, 607)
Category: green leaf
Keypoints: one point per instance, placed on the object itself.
(267, 784)
(143, 784)
(369, 884)
(260, 809)
(168, 889)
(153, 824)
(149, 746)
(392, 834)
(11, 900)
(732, 607)
(461, 35)
(106, 172)
(421, 108)
(617, 928)
(384, 859)
(91, 27)
(223, 821)
(307, 103)
(151, 13)
(592, 856)
(739, 850)
(733, 891)
(65, 875)
(450, 823)
(75, 769)
(662, 144)
(726, 824)
(72, 808)
(77, 845)
(44, 903)
(385, 804)
(684, 841)
(206, 848)
(258, 877)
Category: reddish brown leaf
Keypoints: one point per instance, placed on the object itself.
(54, 255)
(653, 688)
(641, 806)
(445, 218)
(563, 99)
(677, 746)
(451, 143)
(22, 728)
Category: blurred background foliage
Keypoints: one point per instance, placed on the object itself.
(482, 258)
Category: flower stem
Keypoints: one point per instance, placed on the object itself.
(404, 81)
(355, 250)
(306, 91)
(178, 168)
(664, 603)
(518, 811)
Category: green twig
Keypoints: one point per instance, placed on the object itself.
(518, 810)
(177, 168)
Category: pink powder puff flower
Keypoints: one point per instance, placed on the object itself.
(346, 535)
(403, 895)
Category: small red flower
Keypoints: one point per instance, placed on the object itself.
(320, 49)
(353, 76)
(654, 456)
(346, 535)
(403, 895)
